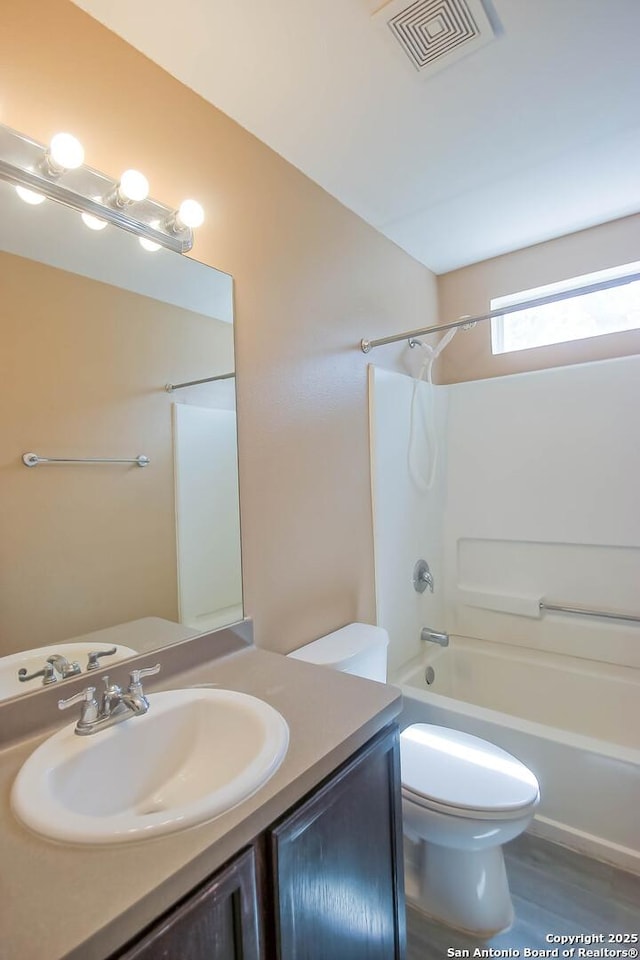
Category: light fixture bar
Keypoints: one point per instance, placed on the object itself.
(88, 191)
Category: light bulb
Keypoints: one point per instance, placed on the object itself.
(94, 223)
(149, 245)
(30, 196)
(133, 186)
(66, 152)
(190, 214)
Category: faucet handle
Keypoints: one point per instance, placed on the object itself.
(135, 677)
(47, 673)
(94, 657)
(89, 711)
(422, 577)
(85, 696)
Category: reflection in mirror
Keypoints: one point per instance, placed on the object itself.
(93, 328)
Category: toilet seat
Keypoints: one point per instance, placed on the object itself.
(462, 775)
(468, 813)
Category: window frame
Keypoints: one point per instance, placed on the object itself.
(504, 307)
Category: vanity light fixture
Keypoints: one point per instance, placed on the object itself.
(148, 245)
(58, 172)
(65, 153)
(94, 223)
(188, 216)
(30, 196)
(132, 188)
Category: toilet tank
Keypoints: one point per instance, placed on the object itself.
(358, 648)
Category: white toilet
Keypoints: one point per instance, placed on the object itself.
(462, 798)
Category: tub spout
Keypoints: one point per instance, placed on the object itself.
(434, 636)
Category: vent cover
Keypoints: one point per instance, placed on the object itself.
(436, 33)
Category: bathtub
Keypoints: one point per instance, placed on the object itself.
(574, 722)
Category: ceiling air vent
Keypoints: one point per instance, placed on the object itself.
(436, 33)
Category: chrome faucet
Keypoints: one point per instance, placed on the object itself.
(114, 706)
(62, 665)
(54, 665)
(434, 636)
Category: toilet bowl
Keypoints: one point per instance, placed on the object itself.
(462, 798)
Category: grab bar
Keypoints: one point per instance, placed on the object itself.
(585, 612)
(32, 460)
(534, 607)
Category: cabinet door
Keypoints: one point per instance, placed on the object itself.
(219, 922)
(337, 864)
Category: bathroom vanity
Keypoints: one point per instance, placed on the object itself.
(312, 883)
(313, 858)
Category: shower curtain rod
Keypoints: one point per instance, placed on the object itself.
(170, 387)
(467, 322)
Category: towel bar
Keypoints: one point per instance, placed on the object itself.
(32, 460)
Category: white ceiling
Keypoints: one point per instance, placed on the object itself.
(533, 136)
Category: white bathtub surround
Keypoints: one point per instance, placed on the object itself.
(535, 497)
(408, 517)
(542, 502)
(572, 722)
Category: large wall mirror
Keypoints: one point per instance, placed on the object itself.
(111, 554)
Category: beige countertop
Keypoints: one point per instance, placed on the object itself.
(83, 903)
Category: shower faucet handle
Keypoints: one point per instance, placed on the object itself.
(422, 577)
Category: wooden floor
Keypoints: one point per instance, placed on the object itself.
(554, 891)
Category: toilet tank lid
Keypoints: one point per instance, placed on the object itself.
(337, 649)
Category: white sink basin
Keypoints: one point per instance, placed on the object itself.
(32, 660)
(195, 754)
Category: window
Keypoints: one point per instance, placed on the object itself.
(574, 313)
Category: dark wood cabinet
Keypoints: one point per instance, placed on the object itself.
(219, 922)
(324, 883)
(337, 865)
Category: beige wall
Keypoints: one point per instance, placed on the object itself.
(468, 292)
(311, 280)
(84, 363)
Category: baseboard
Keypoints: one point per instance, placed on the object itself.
(625, 858)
